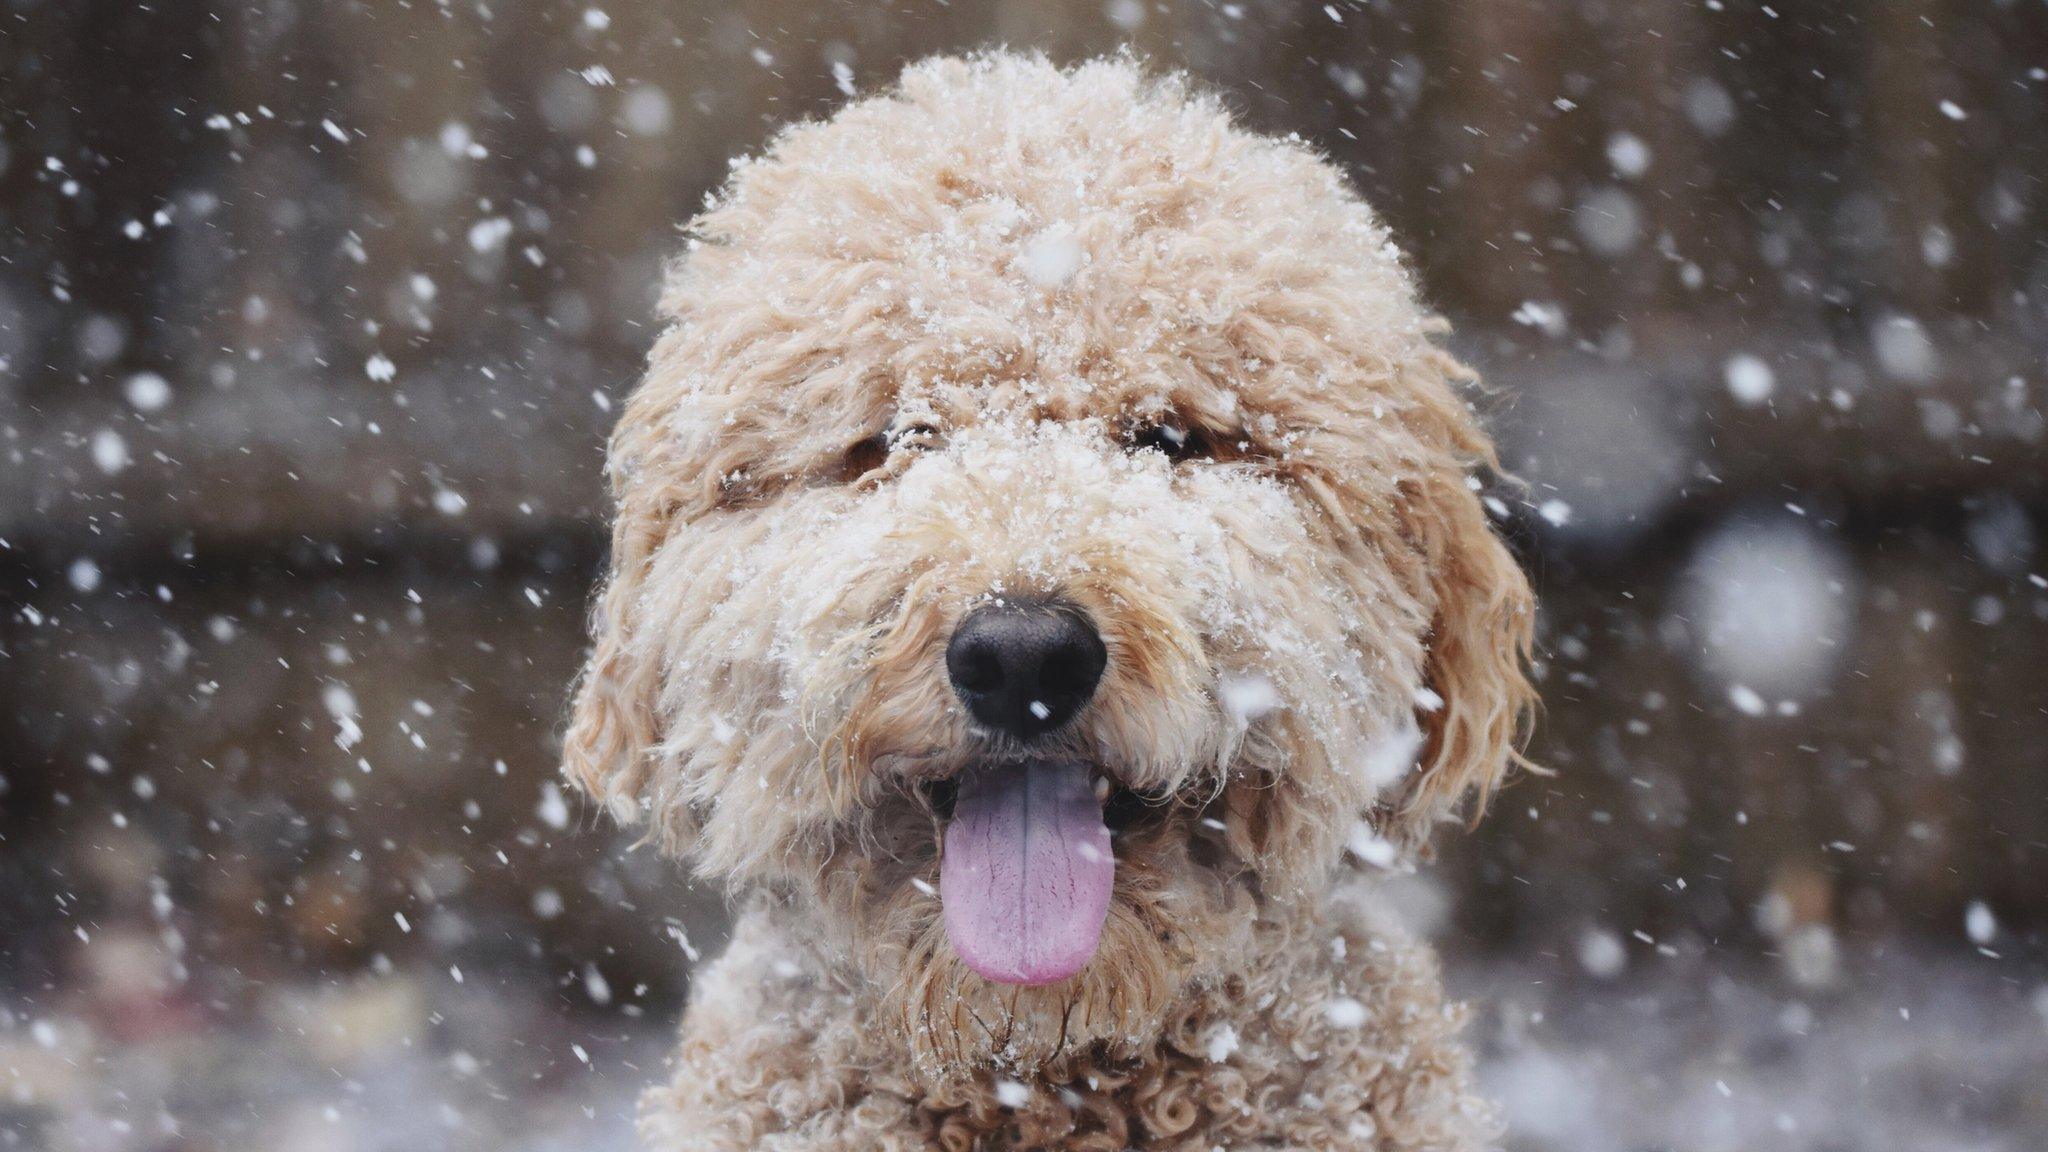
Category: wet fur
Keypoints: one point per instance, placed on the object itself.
(767, 690)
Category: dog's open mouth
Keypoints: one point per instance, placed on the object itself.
(1028, 867)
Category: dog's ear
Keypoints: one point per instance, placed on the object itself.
(1476, 700)
(659, 481)
(614, 723)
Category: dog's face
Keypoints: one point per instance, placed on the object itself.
(1044, 538)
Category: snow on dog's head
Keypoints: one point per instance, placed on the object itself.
(1044, 535)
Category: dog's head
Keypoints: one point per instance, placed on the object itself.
(1045, 535)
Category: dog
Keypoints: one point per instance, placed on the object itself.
(1048, 547)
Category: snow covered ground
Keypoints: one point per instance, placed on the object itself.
(1910, 1053)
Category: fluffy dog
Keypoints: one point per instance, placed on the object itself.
(1045, 540)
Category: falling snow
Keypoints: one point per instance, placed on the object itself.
(1755, 300)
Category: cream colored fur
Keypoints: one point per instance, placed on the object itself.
(909, 350)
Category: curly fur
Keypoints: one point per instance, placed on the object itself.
(908, 348)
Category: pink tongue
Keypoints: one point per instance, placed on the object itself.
(1027, 872)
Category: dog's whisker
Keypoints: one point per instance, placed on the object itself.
(998, 1043)
(1009, 1022)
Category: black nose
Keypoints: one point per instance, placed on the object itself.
(1024, 670)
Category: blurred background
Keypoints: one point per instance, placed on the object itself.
(313, 317)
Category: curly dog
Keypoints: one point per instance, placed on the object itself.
(1046, 547)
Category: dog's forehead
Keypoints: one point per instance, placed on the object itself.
(1004, 308)
(1061, 303)
(1017, 241)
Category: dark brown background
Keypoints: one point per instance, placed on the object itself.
(1620, 204)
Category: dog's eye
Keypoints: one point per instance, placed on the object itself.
(864, 457)
(870, 454)
(1177, 441)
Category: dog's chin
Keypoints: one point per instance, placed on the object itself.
(1174, 919)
